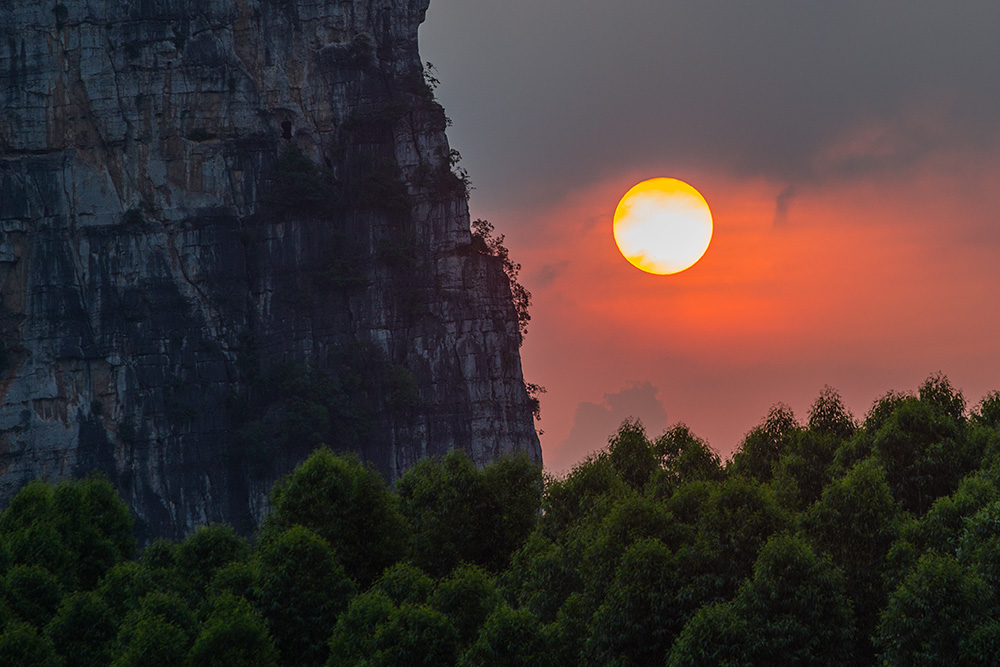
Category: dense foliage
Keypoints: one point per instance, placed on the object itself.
(829, 542)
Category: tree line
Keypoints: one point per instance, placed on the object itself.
(835, 541)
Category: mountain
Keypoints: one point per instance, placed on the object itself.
(231, 230)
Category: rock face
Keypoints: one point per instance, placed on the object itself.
(231, 231)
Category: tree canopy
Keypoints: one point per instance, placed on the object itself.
(833, 541)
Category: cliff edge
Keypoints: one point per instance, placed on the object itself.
(230, 230)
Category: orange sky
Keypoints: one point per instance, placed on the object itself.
(849, 152)
(866, 287)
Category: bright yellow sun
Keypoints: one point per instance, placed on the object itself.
(663, 226)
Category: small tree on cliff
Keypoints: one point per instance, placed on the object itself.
(487, 244)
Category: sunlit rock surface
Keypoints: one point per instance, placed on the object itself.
(165, 284)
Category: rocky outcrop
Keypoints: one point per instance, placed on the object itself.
(231, 230)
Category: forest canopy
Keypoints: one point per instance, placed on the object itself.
(828, 541)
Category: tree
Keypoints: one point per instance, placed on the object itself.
(764, 444)
(683, 457)
(639, 617)
(22, 646)
(933, 614)
(467, 596)
(631, 454)
(923, 451)
(592, 485)
(346, 504)
(793, 611)
(483, 241)
(856, 521)
(234, 635)
(459, 513)
(151, 640)
(300, 588)
(206, 550)
(829, 416)
(630, 520)
(354, 636)
(542, 576)
(377, 633)
(415, 635)
(509, 638)
(404, 583)
(514, 487)
(445, 502)
(32, 593)
(82, 630)
(737, 518)
(717, 635)
(75, 529)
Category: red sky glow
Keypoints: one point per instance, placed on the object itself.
(857, 218)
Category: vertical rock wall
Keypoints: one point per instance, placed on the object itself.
(229, 230)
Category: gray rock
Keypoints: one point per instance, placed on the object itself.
(223, 221)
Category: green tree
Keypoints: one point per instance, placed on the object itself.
(346, 504)
(933, 614)
(793, 611)
(445, 502)
(126, 584)
(415, 635)
(716, 635)
(22, 646)
(206, 550)
(32, 593)
(591, 486)
(353, 637)
(404, 583)
(467, 596)
(542, 576)
(514, 486)
(631, 454)
(300, 587)
(75, 529)
(682, 457)
(856, 521)
(639, 618)
(631, 519)
(508, 638)
(151, 640)
(459, 513)
(829, 415)
(735, 521)
(923, 451)
(234, 635)
(763, 445)
(82, 630)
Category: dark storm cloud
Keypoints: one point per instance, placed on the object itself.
(551, 93)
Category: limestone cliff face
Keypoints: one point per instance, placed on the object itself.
(229, 230)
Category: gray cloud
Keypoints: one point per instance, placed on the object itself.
(559, 92)
(594, 423)
(781, 204)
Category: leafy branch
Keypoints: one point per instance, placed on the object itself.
(486, 243)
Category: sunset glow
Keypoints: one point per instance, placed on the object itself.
(663, 226)
(851, 174)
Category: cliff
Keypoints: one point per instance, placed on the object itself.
(231, 231)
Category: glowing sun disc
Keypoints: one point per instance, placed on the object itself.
(663, 226)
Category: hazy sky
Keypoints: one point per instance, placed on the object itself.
(849, 152)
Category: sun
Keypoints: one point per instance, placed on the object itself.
(663, 226)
